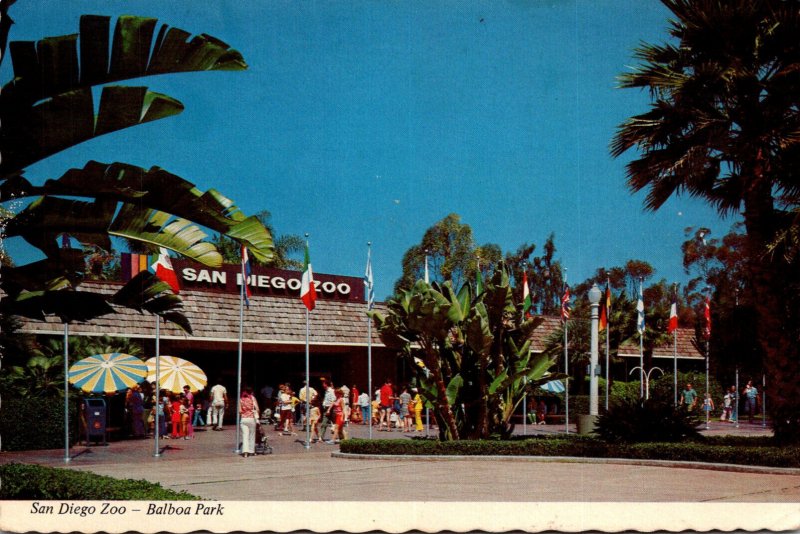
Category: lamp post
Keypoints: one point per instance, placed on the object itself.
(647, 379)
(594, 302)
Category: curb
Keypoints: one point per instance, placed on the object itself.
(759, 469)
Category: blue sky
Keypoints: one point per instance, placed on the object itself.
(370, 121)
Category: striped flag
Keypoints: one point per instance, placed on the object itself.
(246, 272)
(133, 264)
(368, 282)
(526, 296)
(640, 312)
(565, 305)
(308, 292)
(707, 315)
(605, 309)
(162, 268)
(673, 313)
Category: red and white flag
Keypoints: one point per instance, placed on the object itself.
(162, 268)
(526, 296)
(308, 292)
(707, 315)
(673, 314)
(565, 305)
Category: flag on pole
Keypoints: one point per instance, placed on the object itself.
(162, 268)
(308, 292)
(526, 296)
(565, 305)
(673, 314)
(427, 281)
(246, 271)
(605, 309)
(640, 311)
(707, 315)
(478, 280)
(368, 283)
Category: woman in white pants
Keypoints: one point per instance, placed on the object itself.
(248, 413)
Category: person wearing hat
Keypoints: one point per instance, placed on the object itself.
(417, 403)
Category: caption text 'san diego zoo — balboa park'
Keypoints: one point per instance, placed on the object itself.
(545, 240)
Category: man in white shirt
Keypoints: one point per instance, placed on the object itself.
(219, 401)
(306, 392)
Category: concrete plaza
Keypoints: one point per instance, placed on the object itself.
(208, 467)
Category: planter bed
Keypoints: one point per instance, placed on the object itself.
(735, 451)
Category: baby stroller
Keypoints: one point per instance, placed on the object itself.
(268, 417)
(262, 445)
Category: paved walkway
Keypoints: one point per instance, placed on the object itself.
(208, 467)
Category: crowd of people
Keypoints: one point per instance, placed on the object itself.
(730, 402)
(335, 407)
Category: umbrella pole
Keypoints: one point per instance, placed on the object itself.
(66, 393)
(157, 428)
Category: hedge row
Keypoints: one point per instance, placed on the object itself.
(32, 424)
(738, 452)
(30, 482)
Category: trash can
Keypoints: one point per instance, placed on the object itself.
(95, 413)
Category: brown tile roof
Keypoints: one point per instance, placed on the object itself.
(685, 347)
(215, 318)
(630, 348)
(543, 332)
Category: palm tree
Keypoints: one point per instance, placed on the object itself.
(723, 126)
(284, 247)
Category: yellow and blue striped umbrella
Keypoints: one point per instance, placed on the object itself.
(176, 373)
(107, 373)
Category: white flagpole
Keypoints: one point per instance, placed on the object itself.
(763, 400)
(675, 352)
(308, 372)
(566, 363)
(308, 385)
(157, 427)
(238, 448)
(708, 357)
(369, 332)
(608, 333)
(736, 398)
(641, 327)
(427, 410)
(66, 393)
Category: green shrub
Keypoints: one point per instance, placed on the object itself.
(578, 404)
(633, 422)
(33, 423)
(738, 450)
(29, 482)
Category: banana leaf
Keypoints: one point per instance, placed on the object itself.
(157, 189)
(55, 65)
(146, 292)
(453, 388)
(159, 228)
(32, 133)
(62, 271)
(42, 221)
(68, 305)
